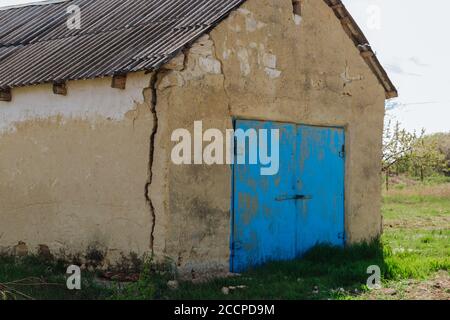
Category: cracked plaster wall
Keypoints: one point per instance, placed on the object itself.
(74, 169)
(264, 62)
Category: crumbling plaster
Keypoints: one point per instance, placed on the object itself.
(73, 168)
(94, 167)
(273, 66)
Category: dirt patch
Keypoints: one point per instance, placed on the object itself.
(396, 180)
(437, 288)
(441, 191)
(431, 223)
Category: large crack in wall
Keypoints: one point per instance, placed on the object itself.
(95, 202)
(153, 102)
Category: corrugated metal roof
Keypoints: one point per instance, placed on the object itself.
(116, 36)
(120, 36)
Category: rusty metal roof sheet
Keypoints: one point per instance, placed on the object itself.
(116, 36)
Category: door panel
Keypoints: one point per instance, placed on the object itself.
(320, 175)
(282, 216)
(263, 226)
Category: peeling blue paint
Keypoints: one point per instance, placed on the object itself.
(280, 217)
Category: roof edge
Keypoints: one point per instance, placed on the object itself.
(36, 3)
(359, 39)
(348, 23)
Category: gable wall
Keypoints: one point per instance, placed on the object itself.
(271, 68)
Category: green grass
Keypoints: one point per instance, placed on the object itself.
(436, 179)
(425, 209)
(324, 268)
(415, 245)
(428, 181)
(417, 230)
(417, 253)
(32, 277)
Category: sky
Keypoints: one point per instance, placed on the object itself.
(410, 39)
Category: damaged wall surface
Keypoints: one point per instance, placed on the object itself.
(265, 63)
(94, 167)
(73, 168)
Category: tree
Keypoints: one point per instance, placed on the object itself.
(398, 145)
(443, 141)
(426, 157)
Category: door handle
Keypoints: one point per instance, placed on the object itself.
(294, 197)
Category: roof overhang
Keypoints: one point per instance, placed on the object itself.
(357, 36)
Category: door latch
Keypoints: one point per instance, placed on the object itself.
(342, 152)
(294, 197)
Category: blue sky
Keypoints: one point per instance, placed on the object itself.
(410, 39)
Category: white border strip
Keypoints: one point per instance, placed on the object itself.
(40, 3)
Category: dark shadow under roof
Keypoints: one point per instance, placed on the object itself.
(121, 36)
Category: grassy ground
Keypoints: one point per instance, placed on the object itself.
(34, 278)
(413, 254)
(417, 232)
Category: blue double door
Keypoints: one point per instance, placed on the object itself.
(281, 216)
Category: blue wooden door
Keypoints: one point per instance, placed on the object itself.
(320, 176)
(263, 228)
(280, 216)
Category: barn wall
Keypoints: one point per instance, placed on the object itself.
(73, 169)
(265, 63)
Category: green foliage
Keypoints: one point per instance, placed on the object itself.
(415, 155)
(397, 144)
(426, 158)
(143, 289)
(151, 285)
(37, 278)
(443, 142)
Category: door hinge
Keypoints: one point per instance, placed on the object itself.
(342, 152)
(341, 235)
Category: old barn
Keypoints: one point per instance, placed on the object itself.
(88, 112)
